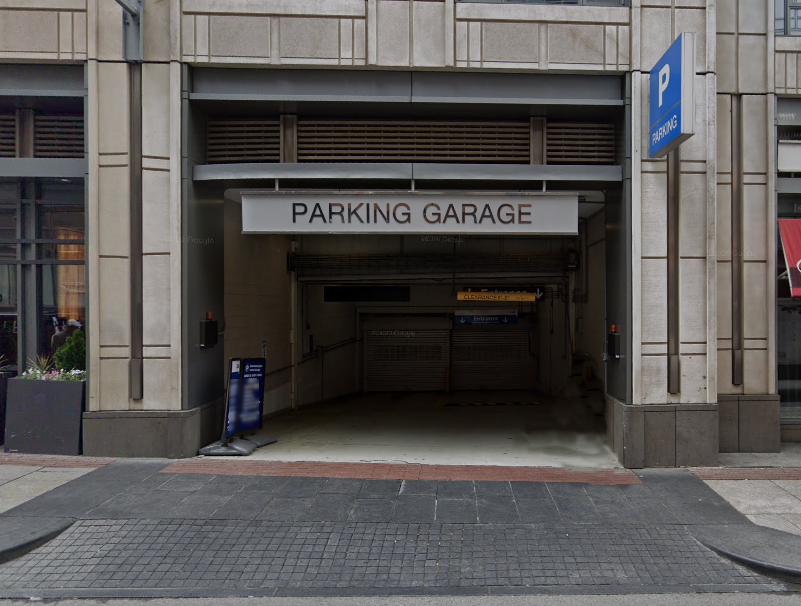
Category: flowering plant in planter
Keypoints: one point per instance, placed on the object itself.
(46, 403)
(38, 374)
(67, 364)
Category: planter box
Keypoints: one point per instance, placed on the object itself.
(44, 417)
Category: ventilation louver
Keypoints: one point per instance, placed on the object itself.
(8, 136)
(789, 133)
(58, 136)
(231, 141)
(414, 141)
(453, 142)
(576, 143)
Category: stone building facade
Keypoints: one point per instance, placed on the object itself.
(206, 58)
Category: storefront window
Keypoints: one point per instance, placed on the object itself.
(62, 294)
(42, 266)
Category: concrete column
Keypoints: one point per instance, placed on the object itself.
(749, 408)
(659, 428)
(108, 211)
(116, 424)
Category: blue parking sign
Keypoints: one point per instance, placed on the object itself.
(672, 107)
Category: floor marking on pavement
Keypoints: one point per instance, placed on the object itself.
(394, 471)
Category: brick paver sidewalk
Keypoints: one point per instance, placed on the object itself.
(215, 527)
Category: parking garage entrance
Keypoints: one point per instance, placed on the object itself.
(422, 340)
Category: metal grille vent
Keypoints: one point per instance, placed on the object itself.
(58, 136)
(414, 141)
(407, 353)
(8, 136)
(485, 357)
(230, 141)
(414, 360)
(576, 143)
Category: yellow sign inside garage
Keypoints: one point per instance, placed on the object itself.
(515, 297)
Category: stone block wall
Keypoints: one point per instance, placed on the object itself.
(737, 54)
(747, 68)
(43, 30)
(108, 212)
(405, 33)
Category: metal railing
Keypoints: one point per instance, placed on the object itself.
(788, 18)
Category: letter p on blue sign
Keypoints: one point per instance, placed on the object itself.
(672, 106)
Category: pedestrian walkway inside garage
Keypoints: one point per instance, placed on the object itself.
(509, 427)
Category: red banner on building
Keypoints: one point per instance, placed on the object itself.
(790, 230)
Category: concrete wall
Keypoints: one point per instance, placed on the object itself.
(257, 303)
(329, 368)
(590, 336)
(405, 33)
(54, 30)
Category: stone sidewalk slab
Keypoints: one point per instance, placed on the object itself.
(756, 496)
(34, 483)
(789, 457)
(785, 523)
(747, 473)
(9, 473)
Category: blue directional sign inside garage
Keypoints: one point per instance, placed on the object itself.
(672, 107)
(484, 318)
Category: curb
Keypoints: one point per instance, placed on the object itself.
(771, 552)
(22, 535)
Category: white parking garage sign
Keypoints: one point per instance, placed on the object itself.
(376, 213)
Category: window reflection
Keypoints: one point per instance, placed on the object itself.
(63, 284)
(63, 296)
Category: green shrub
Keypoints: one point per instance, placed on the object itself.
(72, 355)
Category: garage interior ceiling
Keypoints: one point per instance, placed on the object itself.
(458, 264)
